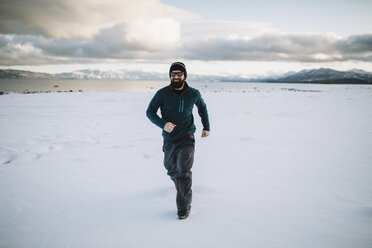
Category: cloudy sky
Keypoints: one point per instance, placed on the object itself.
(255, 37)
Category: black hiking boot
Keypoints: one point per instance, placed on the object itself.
(183, 214)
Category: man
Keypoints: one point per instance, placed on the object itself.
(176, 102)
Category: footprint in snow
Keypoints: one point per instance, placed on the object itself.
(248, 139)
(147, 156)
(32, 156)
(6, 156)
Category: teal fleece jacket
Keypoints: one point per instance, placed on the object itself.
(178, 110)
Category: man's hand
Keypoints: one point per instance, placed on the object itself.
(168, 127)
(205, 133)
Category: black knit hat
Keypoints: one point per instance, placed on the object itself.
(178, 66)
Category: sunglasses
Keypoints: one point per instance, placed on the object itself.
(173, 74)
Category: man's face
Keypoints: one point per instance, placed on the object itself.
(176, 78)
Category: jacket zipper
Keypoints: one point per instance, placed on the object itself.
(180, 107)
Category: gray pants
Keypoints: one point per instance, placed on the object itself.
(178, 160)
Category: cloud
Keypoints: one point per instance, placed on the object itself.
(86, 31)
(192, 29)
(283, 47)
(123, 41)
(356, 44)
(67, 19)
(70, 30)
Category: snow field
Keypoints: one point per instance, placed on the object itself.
(280, 169)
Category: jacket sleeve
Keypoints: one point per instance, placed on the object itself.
(202, 110)
(152, 110)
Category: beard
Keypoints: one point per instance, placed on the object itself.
(177, 84)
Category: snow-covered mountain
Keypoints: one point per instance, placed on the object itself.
(322, 75)
(107, 75)
(112, 74)
(129, 75)
(360, 71)
(22, 74)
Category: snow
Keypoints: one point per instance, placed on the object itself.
(283, 167)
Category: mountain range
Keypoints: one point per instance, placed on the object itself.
(321, 76)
